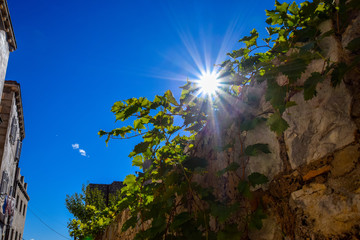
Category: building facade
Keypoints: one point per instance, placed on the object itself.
(13, 190)
(7, 40)
(21, 202)
(14, 198)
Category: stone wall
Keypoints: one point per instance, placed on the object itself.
(313, 167)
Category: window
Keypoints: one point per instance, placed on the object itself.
(12, 234)
(19, 236)
(20, 206)
(17, 201)
(24, 210)
(16, 233)
(18, 150)
(4, 183)
(13, 131)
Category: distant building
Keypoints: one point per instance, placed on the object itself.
(13, 196)
(107, 189)
(21, 203)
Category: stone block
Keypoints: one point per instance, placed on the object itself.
(345, 160)
(317, 125)
(331, 213)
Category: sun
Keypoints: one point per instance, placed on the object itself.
(209, 83)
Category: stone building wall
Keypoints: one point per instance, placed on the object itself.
(22, 199)
(314, 166)
(10, 149)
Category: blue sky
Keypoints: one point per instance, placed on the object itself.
(76, 58)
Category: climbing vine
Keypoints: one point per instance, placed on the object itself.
(164, 200)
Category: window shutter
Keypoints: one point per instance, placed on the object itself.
(13, 131)
(18, 150)
(4, 183)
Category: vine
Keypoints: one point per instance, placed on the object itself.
(165, 201)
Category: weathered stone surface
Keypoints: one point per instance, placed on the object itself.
(345, 160)
(329, 44)
(346, 184)
(351, 32)
(317, 125)
(330, 213)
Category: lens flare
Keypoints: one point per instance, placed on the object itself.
(209, 83)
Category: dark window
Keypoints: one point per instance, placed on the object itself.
(13, 131)
(18, 150)
(16, 233)
(20, 236)
(17, 201)
(12, 234)
(4, 183)
(20, 206)
(24, 210)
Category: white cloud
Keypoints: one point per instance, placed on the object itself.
(82, 152)
(75, 146)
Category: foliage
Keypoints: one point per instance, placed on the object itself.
(294, 40)
(91, 215)
(164, 201)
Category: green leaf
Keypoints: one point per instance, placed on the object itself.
(170, 97)
(250, 40)
(354, 45)
(293, 68)
(310, 85)
(257, 179)
(307, 47)
(195, 162)
(277, 123)
(179, 220)
(131, 222)
(256, 219)
(338, 73)
(282, 8)
(138, 124)
(130, 180)
(276, 95)
(244, 189)
(137, 161)
(223, 212)
(290, 104)
(248, 125)
(256, 149)
(294, 9)
(231, 167)
(141, 147)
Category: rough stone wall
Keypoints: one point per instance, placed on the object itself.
(313, 168)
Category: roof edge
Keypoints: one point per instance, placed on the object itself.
(6, 20)
(15, 87)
